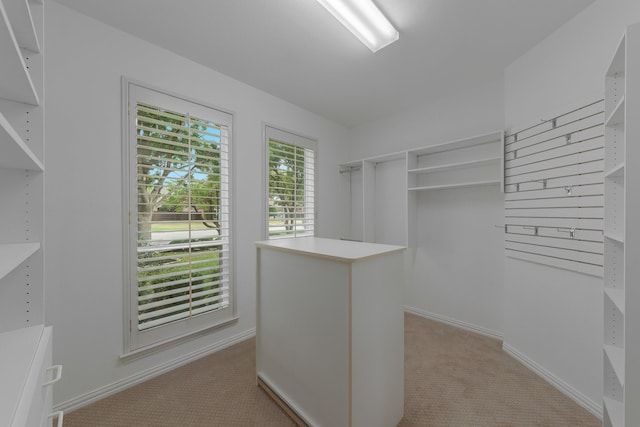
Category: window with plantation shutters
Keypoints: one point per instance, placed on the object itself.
(179, 234)
(291, 204)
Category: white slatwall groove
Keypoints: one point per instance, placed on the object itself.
(554, 191)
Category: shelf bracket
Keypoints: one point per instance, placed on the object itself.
(571, 231)
(543, 181)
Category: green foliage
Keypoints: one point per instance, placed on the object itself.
(286, 181)
(164, 279)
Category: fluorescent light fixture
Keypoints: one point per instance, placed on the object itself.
(364, 20)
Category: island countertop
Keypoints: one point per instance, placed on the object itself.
(334, 249)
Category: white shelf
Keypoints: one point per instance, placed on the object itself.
(453, 166)
(617, 115)
(19, 14)
(458, 144)
(15, 153)
(616, 171)
(616, 67)
(616, 237)
(14, 254)
(616, 358)
(617, 297)
(615, 410)
(15, 84)
(455, 185)
(351, 165)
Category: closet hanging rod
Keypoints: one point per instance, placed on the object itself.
(351, 170)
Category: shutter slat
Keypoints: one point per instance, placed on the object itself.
(179, 274)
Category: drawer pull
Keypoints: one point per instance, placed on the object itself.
(56, 378)
(59, 415)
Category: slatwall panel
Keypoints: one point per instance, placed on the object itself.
(554, 191)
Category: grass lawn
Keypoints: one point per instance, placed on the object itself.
(177, 226)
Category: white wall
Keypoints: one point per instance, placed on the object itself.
(439, 120)
(84, 63)
(455, 273)
(554, 317)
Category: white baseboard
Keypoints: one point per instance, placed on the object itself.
(108, 390)
(454, 322)
(566, 389)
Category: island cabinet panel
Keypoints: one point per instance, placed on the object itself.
(330, 330)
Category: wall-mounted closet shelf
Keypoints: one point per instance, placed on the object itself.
(617, 297)
(615, 410)
(456, 185)
(19, 14)
(379, 192)
(458, 165)
(12, 255)
(616, 358)
(617, 115)
(616, 172)
(15, 152)
(458, 144)
(616, 237)
(16, 83)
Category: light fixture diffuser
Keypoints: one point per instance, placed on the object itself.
(364, 20)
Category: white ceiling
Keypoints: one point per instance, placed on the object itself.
(296, 50)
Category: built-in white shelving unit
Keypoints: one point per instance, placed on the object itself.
(622, 131)
(380, 192)
(21, 165)
(25, 358)
(374, 190)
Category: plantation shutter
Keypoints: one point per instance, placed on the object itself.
(291, 184)
(181, 218)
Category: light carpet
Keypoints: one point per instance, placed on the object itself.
(452, 378)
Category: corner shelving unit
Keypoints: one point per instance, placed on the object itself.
(621, 347)
(25, 358)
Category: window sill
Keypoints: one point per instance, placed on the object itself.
(129, 356)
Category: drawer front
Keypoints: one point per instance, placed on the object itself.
(36, 402)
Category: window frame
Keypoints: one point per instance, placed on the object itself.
(292, 138)
(138, 342)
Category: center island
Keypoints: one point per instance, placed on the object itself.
(330, 330)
